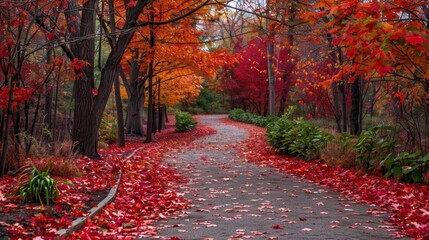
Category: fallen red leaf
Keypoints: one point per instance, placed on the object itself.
(277, 226)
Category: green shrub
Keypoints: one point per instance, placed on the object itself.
(184, 122)
(378, 149)
(242, 116)
(296, 138)
(234, 114)
(308, 140)
(303, 140)
(37, 186)
(374, 145)
(276, 132)
(264, 121)
(373, 148)
(270, 120)
(406, 167)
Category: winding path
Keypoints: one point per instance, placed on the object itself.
(232, 199)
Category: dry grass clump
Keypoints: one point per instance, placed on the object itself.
(339, 154)
(58, 166)
(64, 149)
(15, 154)
(62, 161)
(23, 148)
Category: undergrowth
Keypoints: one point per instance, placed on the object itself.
(374, 150)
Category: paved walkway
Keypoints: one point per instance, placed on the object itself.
(232, 199)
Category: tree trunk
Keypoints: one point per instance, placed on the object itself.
(33, 127)
(149, 128)
(150, 121)
(135, 108)
(121, 132)
(336, 100)
(286, 78)
(89, 107)
(426, 119)
(85, 127)
(134, 121)
(49, 89)
(155, 120)
(355, 111)
(136, 97)
(159, 107)
(372, 99)
(343, 101)
(5, 133)
(54, 123)
(48, 104)
(285, 92)
(166, 114)
(271, 78)
(84, 120)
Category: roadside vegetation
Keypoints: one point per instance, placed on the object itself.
(374, 150)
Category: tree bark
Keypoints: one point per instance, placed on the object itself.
(165, 114)
(286, 78)
(336, 101)
(343, 101)
(89, 107)
(372, 99)
(121, 132)
(150, 107)
(271, 77)
(426, 118)
(355, 111)
(48, 101)
(149, 128)
(134, 120)
(5, 133)
(83, 122)
(136, 97)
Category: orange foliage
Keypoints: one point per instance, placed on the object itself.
(180, 61)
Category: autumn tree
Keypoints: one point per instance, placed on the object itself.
(247, 82)
(177, 53)
(385, 41)
(279, 22)
(22, 42)
(77, 40)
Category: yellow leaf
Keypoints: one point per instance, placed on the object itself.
(386, 26)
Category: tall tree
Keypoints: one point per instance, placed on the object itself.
(249, 83)
(90, 100)
(20, 78)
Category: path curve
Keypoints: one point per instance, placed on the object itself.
(232, 199)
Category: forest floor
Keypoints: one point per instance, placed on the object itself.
(221, 181)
